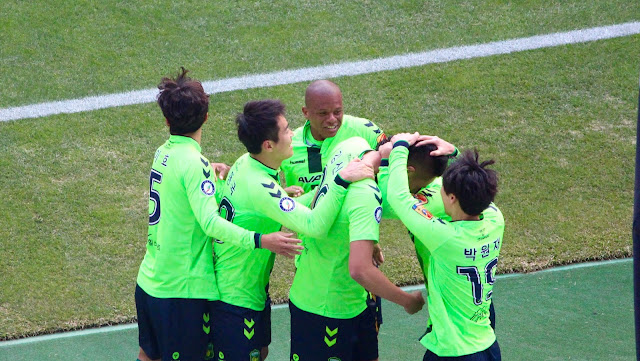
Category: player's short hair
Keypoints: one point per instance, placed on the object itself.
(184, 103)
(259, 122)
(427, 165)
(471, 182)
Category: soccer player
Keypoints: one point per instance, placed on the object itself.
(176, 277)
(326, 127)
(330, 316)
(254, 199)
(462, 253)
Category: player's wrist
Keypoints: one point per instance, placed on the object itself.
(341, 181)
(257, 240)
(455, 153)
(401, 143)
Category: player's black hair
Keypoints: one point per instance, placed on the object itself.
(259, 122)
(471, 182)
(184, 103)
(424, 163)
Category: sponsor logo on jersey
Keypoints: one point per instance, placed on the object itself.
(422, 211)
(315, 178)
(378, 214)
(207, 187)
(287, 204)
(297, 161)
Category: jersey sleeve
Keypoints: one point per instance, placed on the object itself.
(429, 230)
(383, 182)
(273, 201)
(363, 204)
(369, 131)
(200, 189)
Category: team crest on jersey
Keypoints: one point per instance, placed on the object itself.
(422, 211)
(422, 198)
(287, 204)
(254, 355)
(381, 137)
(207, 187)
(378, 214)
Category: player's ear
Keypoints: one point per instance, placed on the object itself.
(411, 168)
(166, 121)
(305, 112)
(206, 117)
(267, 145)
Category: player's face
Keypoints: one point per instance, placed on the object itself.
(324, 113)
(283, 146)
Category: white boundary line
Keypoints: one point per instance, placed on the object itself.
(330, 71)
(130, 326)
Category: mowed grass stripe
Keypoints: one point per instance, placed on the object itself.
(330, 71)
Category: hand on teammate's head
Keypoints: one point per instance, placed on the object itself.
(410, 138)
(443, 147)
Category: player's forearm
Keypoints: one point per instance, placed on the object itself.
(219, 228)
(398, 195)
(372, 279)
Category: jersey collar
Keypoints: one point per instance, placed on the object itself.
(181, 139)
(272, 172)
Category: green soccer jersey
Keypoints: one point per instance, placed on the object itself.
(253, 199)
(322, 284)
(462, 263)
(183, 216)
(305, 167)
(428, 198)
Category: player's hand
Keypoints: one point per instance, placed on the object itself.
(444, 147)
(294, 191)
(385, 150)
(415, 304)
(281, 243)
(378, 257)
(410, 138)
(356, 170)
(220, 169)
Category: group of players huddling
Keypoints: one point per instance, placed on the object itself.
(214, 231)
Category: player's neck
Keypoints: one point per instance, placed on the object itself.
(459, 215)
(266, 160)
(197, 135)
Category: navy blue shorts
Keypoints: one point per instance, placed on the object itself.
(490, 354)
(240, 332)
(320, 338)
(173, 328)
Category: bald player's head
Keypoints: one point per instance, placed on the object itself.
(323, 108)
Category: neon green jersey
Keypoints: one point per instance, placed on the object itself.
(305, 167)
(183, 216)
(322, 284)
(428, 198)
(254, 199)
(462, 263)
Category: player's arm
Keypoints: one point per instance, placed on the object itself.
(383, 184)
(370, 277)
(273, 201)
(200, 192)
(363, 208)
(418, 220)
